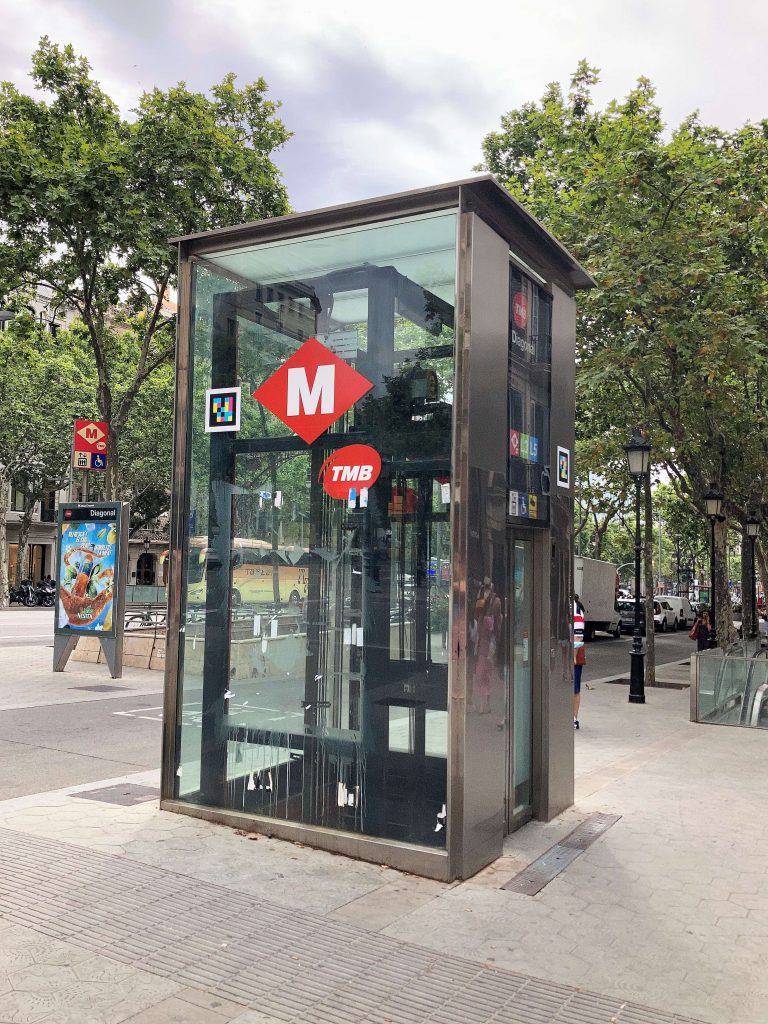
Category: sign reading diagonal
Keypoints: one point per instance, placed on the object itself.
(312, 389)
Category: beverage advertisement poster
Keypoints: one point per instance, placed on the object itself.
(88, 557)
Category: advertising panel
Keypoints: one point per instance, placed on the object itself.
(88, 566)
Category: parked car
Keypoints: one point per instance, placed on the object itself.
(627, 613)
(681, 606)
(664, 616)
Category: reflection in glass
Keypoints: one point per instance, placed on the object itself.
(521, 674)
(316, 629)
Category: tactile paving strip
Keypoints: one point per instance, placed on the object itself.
(541, 871)
(292, 965)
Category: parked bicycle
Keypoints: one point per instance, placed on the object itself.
(145, 618)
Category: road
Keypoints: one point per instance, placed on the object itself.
(69, 728)
(606, 656)
(26, 627)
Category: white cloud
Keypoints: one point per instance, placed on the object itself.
(389, 96)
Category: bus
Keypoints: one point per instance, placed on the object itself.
(256, 570)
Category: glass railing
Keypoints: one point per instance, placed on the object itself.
(135, 593)
(731, 686)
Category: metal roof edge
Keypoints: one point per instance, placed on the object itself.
(433, 197)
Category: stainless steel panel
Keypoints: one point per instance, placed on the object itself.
(554, 728)
(417, 860)
(477, 723)
(181, 432)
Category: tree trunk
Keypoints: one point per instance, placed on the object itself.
(650, 645)
(5, 484)
(726, 634)
(748, 624)
(25, 524)
(110, 482)
(762, 563)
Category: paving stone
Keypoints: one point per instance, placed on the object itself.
(201, 960)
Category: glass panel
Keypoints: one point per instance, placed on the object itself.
(315, 664)
(530, 363)
(733, 687)
(522, 576)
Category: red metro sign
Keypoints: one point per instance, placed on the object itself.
(353, 468)
(91, 435)
(312, 389)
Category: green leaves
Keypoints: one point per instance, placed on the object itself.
(88, 201)
(674, 227)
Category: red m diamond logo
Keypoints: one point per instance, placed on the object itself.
(312, 389)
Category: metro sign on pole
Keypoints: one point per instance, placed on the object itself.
(312, 389)
(91, 436)
(89, 446)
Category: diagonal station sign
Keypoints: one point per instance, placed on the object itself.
(312, 389)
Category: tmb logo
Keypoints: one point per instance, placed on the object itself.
(520, 310)
(354, 467)
(312, 389)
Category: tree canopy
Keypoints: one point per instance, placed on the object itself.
(89, 200)
(673, 225)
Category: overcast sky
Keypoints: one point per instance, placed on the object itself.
(399, 93)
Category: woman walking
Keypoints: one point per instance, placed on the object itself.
(702, 628)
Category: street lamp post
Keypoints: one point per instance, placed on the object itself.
(638, 454)
(753, 528)
(713, 503)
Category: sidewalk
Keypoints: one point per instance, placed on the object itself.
(115, 911)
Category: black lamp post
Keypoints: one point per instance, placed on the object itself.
(638, 454)
(753, 528)
(713, 503)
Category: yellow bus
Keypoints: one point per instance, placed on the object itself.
(254, 572)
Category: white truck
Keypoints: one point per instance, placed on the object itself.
(595, 583)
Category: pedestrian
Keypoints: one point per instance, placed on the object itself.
(579, 656)
(702, 627)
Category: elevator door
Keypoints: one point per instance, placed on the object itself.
(519, 682)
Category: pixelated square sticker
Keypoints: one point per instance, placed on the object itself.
(563, 467)
(222, 409)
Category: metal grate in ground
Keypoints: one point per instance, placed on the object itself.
(293, 965)
(540, 872)
(125, 795)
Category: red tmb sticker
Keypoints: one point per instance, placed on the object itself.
(354, 467)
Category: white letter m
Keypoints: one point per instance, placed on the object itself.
(322, 390)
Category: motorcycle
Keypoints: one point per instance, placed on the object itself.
(25, 594)
(46, 593)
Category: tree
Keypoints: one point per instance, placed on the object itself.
(673, 228)
(89, 200)
(44, 383)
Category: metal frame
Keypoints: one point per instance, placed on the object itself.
(111, 641)
(490, 221)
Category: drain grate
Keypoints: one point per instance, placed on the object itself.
(588, 831)
(126, 795)
(541, 872)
